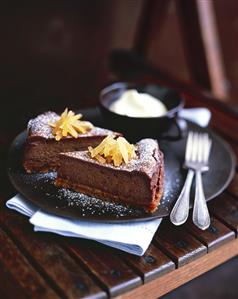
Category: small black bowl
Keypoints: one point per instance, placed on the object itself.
(168, 126)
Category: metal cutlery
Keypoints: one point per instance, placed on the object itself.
(196, 161)
(201, 216)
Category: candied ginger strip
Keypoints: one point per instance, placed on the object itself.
(113, 151)
(69, 124)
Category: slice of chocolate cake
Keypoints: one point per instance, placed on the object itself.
(137, 183)
(42, 148)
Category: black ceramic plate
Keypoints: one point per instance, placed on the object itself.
(40, 189)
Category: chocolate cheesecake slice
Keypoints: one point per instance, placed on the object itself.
(137, 183)
(42, 149)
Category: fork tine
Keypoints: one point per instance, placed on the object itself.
(194, 147)
(203, 146)
(200, 148)
(207, 149)
(188, 153)
(197, 147)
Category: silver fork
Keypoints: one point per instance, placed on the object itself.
(196, 160)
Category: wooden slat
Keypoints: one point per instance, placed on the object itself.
(166, 283)
(213, 237)
(153, 264)
(6, 283)
(233, 187)
(19, 267)
(52, 261)
(153, 15)
(210, 37)
(113, 274)
(178, 244)
(195, 51)
(225, 208)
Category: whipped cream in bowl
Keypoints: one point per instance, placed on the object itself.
(135, 104)
(140, 111)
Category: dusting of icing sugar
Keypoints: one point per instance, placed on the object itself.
(90, 205)
(146, 161)
(39, 126)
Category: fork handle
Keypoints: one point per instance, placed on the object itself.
(180, 211)
(201, 217)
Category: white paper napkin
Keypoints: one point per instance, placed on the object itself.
(132, 237)
(200, 116)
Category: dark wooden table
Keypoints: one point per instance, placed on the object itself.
(41, 265)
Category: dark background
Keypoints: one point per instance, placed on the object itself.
(55, 53)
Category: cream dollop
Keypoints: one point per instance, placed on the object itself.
(135, 104)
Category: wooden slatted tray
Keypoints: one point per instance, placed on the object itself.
(48, 266)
